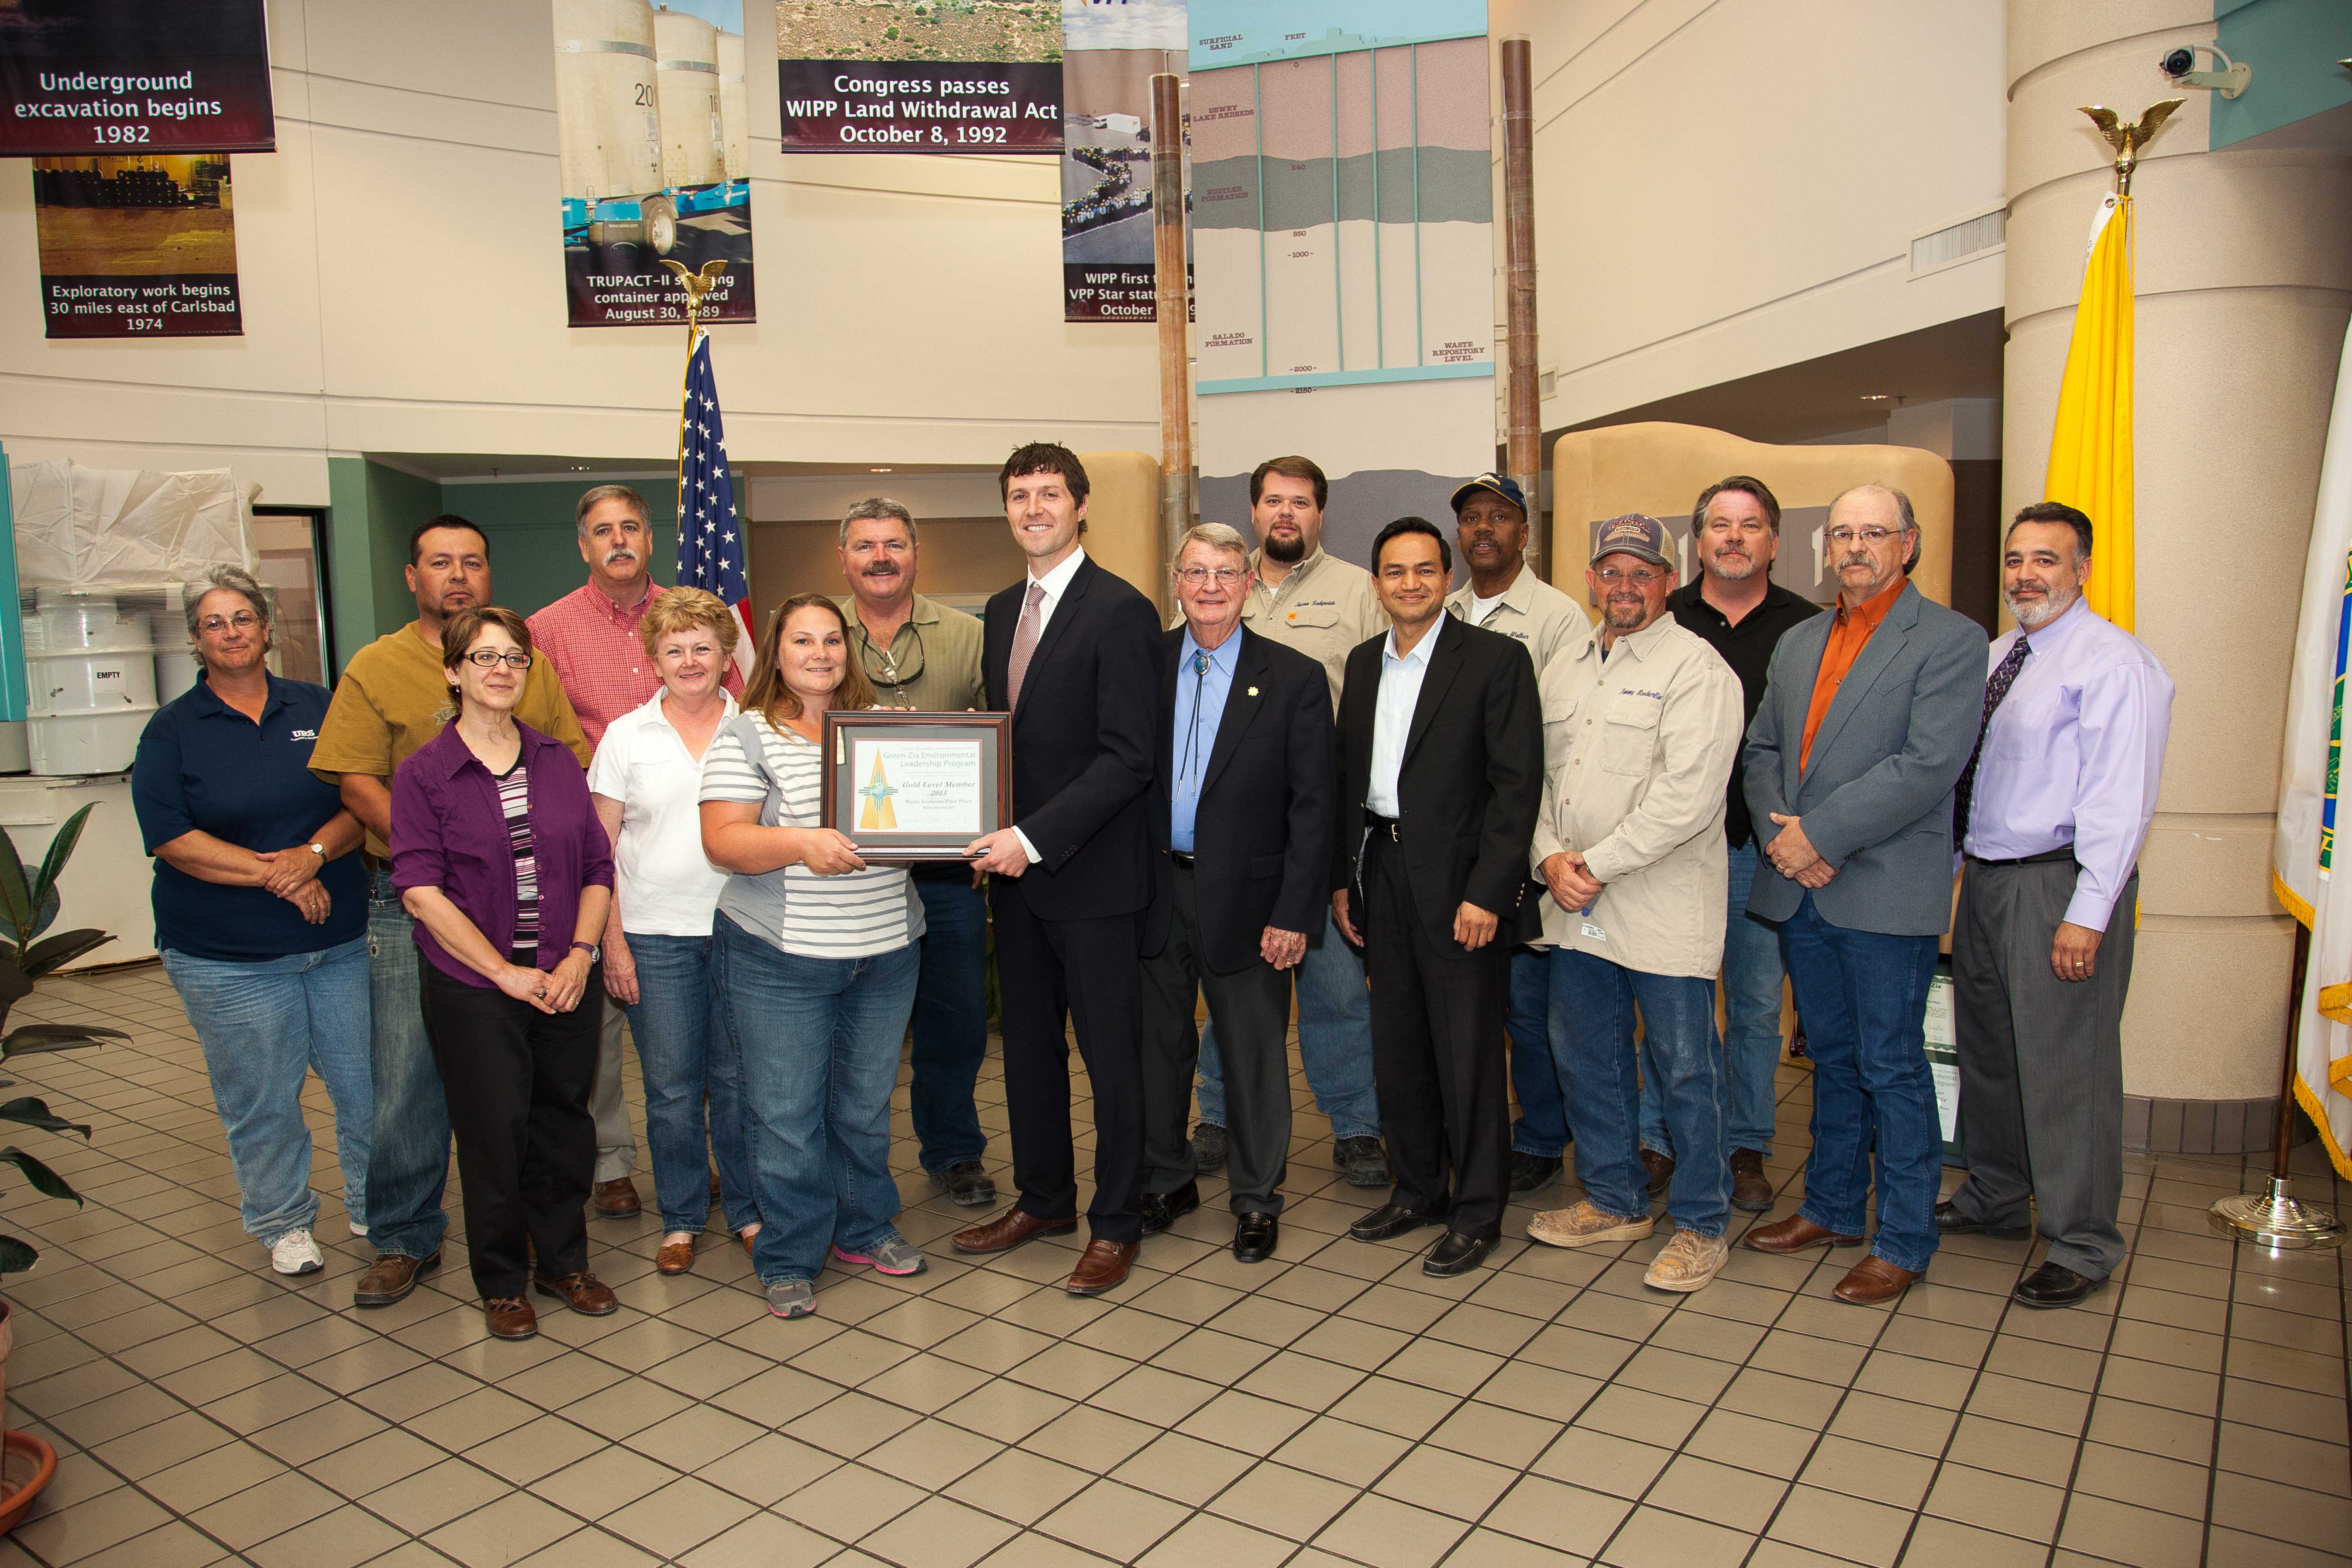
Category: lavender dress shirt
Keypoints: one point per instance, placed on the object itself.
(2073, 755)
(449, 832)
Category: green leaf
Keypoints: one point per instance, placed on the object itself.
(16, 1257)
(17, 906)
(45, 1180)
(61, 848)
(47, 915)
(56, 1038)
(15, 986)
(52, 953)
(31, 1112)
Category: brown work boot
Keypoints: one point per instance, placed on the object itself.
(616, 1199)
(510, 1318)
(1874, 1282)
(1585, 1224)
(1794, 1235)
(1687, 1262)
(1750, 1190)
(582, 1292)
(1660, 1169)
(675, 1256)
(391, 1277)
(1102, 1267)
(1009, 1230)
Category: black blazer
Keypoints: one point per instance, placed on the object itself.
(1471, 784)
(1262, 834)
(1082, 744)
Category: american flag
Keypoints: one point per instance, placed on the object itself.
(710, 552)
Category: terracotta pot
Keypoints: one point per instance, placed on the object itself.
(26, 1463)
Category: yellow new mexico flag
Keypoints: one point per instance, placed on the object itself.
(2090, 446)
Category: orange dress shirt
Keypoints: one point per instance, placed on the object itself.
(1849, 635)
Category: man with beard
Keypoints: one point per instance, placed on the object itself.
(1322, 606)
(1640, 731)
(1504, 594)
(2052, 812)
(1738, 610)
(393, 698)
(1868, 717)
(590, 635)
(924, 654)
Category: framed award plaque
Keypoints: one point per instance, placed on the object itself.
(911, 787)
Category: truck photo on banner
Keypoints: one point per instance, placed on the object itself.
(1112, 50)
(137, 247)
(82, 77)
(1343, 252)
(651, 125)
(919, 75)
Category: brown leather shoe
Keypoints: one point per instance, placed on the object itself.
(751, 1239)
(510, 1317)
(1102, 1267)
(1660, 1169)
(616, 1199)
(1010, 1229)
(1794, 1235)
(1750, 1190)
(582, 1292)
(1873, 1282)
(391, 1277)
(676, 1257)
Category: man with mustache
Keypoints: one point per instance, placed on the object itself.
(590, 635)
(1641, 726)
(924, 654)
(2052, 812)
(1868, 717)
(1736, 609)
(1504, 594)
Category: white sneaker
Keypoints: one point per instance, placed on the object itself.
(359, 1228)
(296, 1253)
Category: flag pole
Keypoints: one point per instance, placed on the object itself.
(2275, 1218)
(1172, 295)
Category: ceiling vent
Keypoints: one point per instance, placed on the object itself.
(1933, 251)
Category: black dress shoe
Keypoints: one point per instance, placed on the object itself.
(1255, 1235)
(2054, 1285)
(967, 1183)
(1529, 1171)
(1952, 1222)
(1391, 1219)
(1456, 1254)
(1162, 1210)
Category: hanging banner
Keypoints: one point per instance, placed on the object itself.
(1110, 52)
(1343, 252)
(650, 123)
(137, 247)
(919, 75)
(132, 76)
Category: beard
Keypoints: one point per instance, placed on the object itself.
(2037, 611)
(1625, 613)
(1289, 549)
(1734, 568)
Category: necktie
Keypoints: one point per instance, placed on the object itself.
(1024, 641)
(2004, 676)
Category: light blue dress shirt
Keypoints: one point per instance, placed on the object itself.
(1200, 709)
(1400, 677)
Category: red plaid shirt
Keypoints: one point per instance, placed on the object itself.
(594, 644)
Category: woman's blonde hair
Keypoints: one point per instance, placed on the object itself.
(767, 692)
(685, 609)
(461, 632)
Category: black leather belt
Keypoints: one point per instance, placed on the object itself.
(1383, 826)
(1183, 857)
(2064, 852)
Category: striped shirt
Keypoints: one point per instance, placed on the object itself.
(514, 804)
(859, 915)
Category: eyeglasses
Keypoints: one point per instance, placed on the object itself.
(1640, 576)
(244, 621)
(890, 673)
(490, 659)
(1841, 537)
(1223, 577)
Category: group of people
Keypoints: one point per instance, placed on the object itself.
(1504, 851)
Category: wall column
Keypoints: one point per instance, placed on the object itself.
(2244, 276)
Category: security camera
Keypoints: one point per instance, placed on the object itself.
(2181, 65)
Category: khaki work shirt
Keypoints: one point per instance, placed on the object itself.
(1324, 609)
(1637, 752)
(1531, 611)
(938, 643)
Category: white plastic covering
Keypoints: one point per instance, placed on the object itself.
(128, 528)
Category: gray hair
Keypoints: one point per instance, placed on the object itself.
(872, 508)
(594, 495)
(1215, 535)
(237, 580)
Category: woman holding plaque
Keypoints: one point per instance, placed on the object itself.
(816, 954)
(645, 781)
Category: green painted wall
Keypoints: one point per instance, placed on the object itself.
(534, 542)
(2294, 46)
(370, 509)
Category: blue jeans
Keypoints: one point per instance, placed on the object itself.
(1335, 1041)
(1864, 998)
(819, 1039)
(263, 1025)
(1751, 1026)
(1592, 1007)
(408, 1152)
(1542, 1126)
(686, 1053)
(951, 1023)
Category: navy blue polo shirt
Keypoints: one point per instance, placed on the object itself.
(203, 765)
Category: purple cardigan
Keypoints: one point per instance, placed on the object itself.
(449, 832)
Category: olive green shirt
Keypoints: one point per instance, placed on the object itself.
(932, 663)
(1324, 609)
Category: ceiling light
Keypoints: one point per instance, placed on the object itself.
(878, 470)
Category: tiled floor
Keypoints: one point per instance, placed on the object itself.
(1334, 1406)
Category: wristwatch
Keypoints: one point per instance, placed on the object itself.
(595, 954)
(315, 848)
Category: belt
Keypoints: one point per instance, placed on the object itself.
(1385, 826)
(2064, 852)
(1183, 858)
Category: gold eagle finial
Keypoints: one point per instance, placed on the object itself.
(2130, 141)
(695, 284)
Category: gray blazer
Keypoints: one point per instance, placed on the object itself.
(1877, 801)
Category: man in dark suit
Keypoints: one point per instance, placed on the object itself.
(1442, 770)
(1072, 653)
(1242, 817)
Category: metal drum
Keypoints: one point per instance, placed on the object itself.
(734, 111)
(607, 102)
(686, 55)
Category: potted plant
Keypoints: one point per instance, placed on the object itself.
(28, 909)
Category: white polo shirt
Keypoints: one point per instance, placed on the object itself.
(665, 885)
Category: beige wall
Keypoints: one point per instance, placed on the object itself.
(2244, 281)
